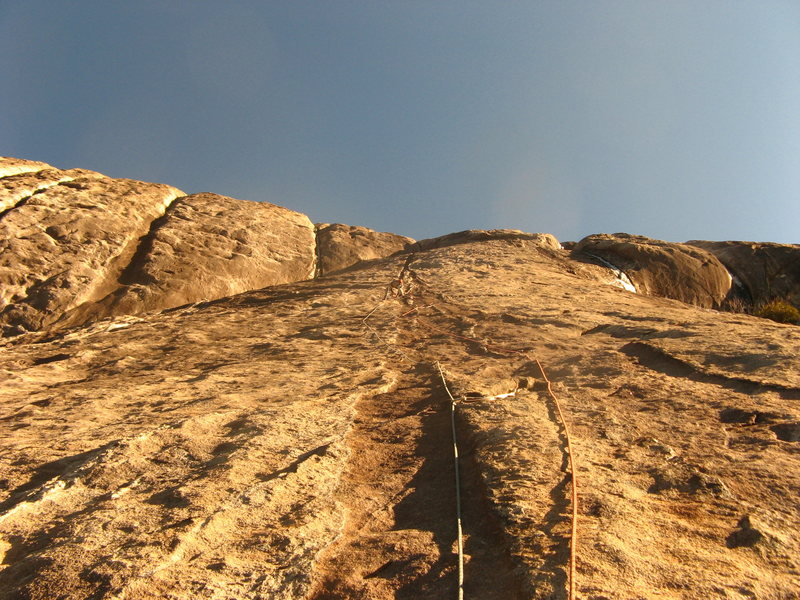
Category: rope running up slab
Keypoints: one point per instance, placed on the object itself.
(460, 535)
(397, 288)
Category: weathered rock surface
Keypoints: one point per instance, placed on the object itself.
(205, 247)
(77, 251)
(294, 442)
(69, 243)
(766, 270)
(16, 190)
(658, 268)
(341, 246)
(14, 166)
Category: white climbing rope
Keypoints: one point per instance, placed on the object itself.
(460, 535)
(400, 288)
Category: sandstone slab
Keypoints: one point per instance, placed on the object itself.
(294, 442)
(68, 244)
(18, 188)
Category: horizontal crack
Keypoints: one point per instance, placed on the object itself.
(657, 359)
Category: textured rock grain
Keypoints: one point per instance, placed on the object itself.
(14, 166)
(207, 247)
(18, 188)
(68, 245)
(657, 268)
(341, 246)
(276, 444)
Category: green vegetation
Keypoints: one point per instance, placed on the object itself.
(779, 310)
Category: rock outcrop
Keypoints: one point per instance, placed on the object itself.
(14, 166)
(79, 246)
(545, 240)
(16, 190)
(658, 268)
(69, 241)
(206, 247)
(766, 271)
(341, 246)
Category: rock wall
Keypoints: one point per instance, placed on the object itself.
(66, 237)
(469, 236)
(78, 246)
(658, 268)
(206, 247)
(766, 270)
(341, 246)
(295, 442)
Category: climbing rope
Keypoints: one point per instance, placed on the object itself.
(460, 533)
(399, 287)
(573, 479)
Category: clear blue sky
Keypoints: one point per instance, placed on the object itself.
(673, 119)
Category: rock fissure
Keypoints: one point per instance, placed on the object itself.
(141, 247)
(658, 360)
(398, 540)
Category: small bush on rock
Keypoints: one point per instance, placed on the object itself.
(780, 311)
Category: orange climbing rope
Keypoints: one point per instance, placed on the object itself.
(571, 455)
(397, 288)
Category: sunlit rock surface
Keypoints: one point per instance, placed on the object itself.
(657, 268)
(766, 271)
(295, 441)
(205, 247)
(69, 240)
(341, 246)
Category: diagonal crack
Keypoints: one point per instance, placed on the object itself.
(24, 200)
(144, 245)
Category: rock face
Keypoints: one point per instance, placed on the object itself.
(79, 246)
(765, 270)
(657, 268)
(16, 190)
(67, 242)
(14, 166)
(206, 247)
(341, 246)
(295, 441)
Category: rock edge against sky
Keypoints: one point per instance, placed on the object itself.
(205, 397)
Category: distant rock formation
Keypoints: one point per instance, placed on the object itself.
(765, 271)
(341, 246)
(545, 240)
(657, 268)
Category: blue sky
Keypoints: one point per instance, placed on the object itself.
(677, 120)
